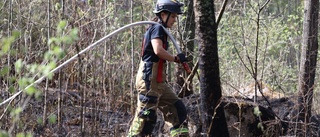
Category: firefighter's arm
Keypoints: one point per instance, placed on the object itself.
(160, 51)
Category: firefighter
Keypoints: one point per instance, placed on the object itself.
(154, 92)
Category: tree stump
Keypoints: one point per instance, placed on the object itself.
(244, 118)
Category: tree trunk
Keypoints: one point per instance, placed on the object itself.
(213, 119)
(308, 62)
(180, 74)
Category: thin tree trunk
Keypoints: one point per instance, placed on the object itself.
(9, 58)
(9, 55)
(308, 62)
(255, 70)
(59, 101)
(47, 82)
(60, 80)
(132, 63)
(180, 73)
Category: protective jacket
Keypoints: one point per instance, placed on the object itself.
(154, 92)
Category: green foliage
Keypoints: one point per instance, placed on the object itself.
(4, 133)
(256, 111)
(61, 26)
(39, 120)
(52, 119)
(5, 43)
(15, 113)
(278, 46)
(260, 126)
(24, 82)
(31, 90)
(24, 135)
(4, 71)
(62, 38)
(90, 2)
(18, 65)
(57, 6)
(27, 71)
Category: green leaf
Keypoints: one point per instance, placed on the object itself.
(54, 41)
(57, 6)
(257, 112)
(57, 51)
(20, 135)
(39, 120)
(18, 65)
(4, 71)
(29, 135)
(90, 2)
(52, 65)
(38, 94)
(11, 89)
(3, 133)
(260, 126)
(16, 111)
(52, 119)
(62, 24)
(51, 40)
(31, 90)
(15, 34)
(33, 68)
(47, 55)
(6, 44)
(74, 34)
(23, 135)
(67, 40)
(47, 69)
(23, 82)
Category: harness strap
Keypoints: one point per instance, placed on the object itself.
(142, 45)
(161, 61)
(160, 68)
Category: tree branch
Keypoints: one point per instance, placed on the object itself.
(225, 2)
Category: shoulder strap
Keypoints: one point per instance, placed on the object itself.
(142, 45)
(161, 61)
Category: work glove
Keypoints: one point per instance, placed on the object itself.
(180, 58)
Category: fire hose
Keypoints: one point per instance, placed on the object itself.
(177, 47)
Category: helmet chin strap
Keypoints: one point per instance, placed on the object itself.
(161, 21)
(167, 19)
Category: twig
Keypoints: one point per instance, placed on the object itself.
(190, 77)
(222, 9)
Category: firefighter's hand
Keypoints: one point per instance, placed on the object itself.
(180, 58)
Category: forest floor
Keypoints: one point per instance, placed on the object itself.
(98, 118)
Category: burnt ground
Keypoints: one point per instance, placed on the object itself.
(98, 118)
(106, 117)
